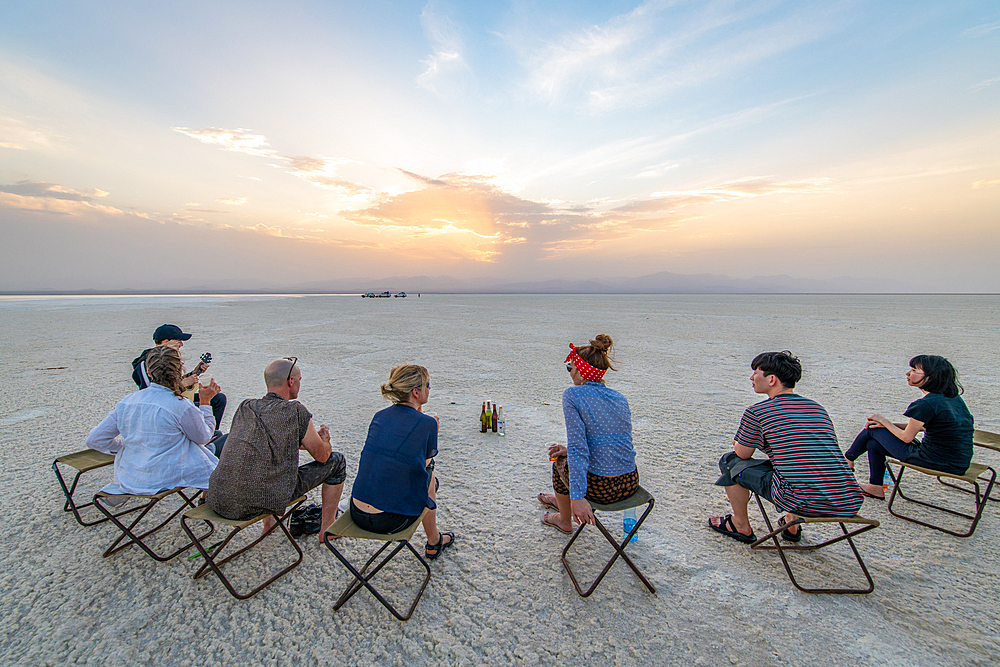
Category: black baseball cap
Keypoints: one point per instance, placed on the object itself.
(169, 332)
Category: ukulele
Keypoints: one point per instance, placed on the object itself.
(202, 366)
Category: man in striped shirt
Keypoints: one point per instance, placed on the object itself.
(805, 473)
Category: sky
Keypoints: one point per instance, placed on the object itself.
(207, 144)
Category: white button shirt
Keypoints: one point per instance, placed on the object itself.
(162, 443)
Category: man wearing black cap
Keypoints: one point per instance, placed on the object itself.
(171, 335)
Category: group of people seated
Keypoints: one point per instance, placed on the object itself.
(161, 440)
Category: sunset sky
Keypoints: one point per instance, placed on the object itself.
(180, 144)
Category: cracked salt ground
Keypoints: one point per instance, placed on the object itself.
(501, 595)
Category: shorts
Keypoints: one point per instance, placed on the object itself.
(600, 490)
(311, 475)
(757, 475)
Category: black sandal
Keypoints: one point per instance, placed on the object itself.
(731, 531)
(789, 535)
(439, 547)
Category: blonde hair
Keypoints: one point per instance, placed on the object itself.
(404, 379)
(598, 353)
(163, 365)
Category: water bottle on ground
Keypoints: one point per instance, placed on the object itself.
(886, 481)
(628, 523)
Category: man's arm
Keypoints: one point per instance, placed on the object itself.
(743, 451)
(317, 443)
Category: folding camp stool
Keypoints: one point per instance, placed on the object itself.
(151, 501)
(345, 527)
(986, 440)
(773, 533)
(85, 461)
(637, 499)
(205, 513)
(974, 475)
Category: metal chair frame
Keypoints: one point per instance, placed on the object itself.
(986, 440)
(204, 513)
(345, 527)
(973, 476)
(637, 499)
(83, 461)
(773, 533)
(128, 531)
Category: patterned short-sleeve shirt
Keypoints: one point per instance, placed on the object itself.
(259, 464)
(811, 475)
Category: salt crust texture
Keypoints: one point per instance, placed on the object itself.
(500, 596)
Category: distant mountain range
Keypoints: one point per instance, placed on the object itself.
(655, 283)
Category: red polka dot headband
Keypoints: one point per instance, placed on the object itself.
(589, 373)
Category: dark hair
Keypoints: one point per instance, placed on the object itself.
(784, 365)
(940, 377)
(598, 353)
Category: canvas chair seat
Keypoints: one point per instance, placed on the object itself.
(345, 527)
(211, 554)
(975, 475)
(129, 531)
(637, 499)
(83, 461)
(773, 533)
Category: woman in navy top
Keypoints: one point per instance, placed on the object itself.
(941, 413)
(598, 462)
(395, 480)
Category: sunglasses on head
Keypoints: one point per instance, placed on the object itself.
(293, 360)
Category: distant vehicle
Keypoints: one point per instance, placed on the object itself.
(370, 295)
(384, 295)
(402, 294)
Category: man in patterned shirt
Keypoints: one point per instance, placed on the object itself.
(805, 473)
(259, 470)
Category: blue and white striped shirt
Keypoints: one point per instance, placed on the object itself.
(598, 434)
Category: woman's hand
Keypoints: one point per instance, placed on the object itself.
(189, 381)
(556, 450)
(207, 392)
(582, 511)
(877, 421)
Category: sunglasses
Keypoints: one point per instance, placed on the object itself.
(293, 360)
(570, 367)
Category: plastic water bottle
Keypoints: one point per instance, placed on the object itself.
(628, 523)
(886, 481)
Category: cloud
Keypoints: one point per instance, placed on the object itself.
(239, 140)
(986, 183)
(37, 189)
(638, 58)
(446, 43)
(982, 29)
(322, 172)
(232, 201)
(984, 84)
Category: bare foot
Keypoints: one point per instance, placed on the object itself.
(725, 522)
(873, 490)
(548, 500)
(554, 519)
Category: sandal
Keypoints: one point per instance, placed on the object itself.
(731, 531)
(787, 534)
(546, 504)
(549, 523)
(439, 548)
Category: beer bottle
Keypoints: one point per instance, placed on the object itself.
(482, 419)
(489, 417)
(495, 420)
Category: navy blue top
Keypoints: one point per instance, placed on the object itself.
(392, 472)
(948, 426)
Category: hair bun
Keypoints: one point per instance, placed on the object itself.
(603, 342)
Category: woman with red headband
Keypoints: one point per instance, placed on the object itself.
(597, 463)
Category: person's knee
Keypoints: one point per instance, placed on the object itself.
(338, 472)
(219, 400)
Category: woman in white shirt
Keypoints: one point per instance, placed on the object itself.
(163, 435)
